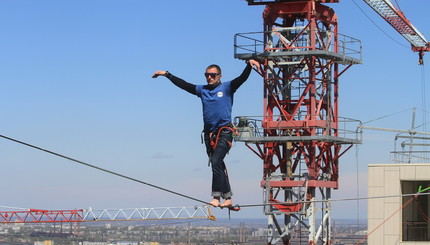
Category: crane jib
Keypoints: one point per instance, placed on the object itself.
(400, 23)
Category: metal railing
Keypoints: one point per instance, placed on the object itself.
(297, 39)
(251, 127)
(415, 231)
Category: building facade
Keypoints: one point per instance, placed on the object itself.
(395, 214)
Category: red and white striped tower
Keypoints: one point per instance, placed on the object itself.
(302, 135)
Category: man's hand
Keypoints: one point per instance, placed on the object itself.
(159, 73)
(254, 63)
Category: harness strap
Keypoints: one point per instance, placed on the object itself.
(214, 140)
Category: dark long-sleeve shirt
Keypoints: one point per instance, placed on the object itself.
(191, 88)
(217, 99)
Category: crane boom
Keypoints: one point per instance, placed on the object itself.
(402, 25)
(85, 215)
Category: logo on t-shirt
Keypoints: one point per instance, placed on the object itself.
(220, 94)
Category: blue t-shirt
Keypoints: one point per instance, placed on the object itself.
(217, 105)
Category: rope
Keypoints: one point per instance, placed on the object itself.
(335, 200)
(102, 169)
(357, 184)
(192, 198)
(389, 217)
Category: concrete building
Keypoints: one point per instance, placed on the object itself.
(398, 220)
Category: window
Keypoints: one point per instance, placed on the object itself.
(415, 216)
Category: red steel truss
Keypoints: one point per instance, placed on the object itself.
(86, 215)
(41, 216)
(398, 21)
(403, 26)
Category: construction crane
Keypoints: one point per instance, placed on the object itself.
(402, 25)
(91, 215)
(302, 136)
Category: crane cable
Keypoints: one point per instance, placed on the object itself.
(102, 169)
(357, 187)
(398, 5)
(370, 19)
(385, 116)
(424, 97)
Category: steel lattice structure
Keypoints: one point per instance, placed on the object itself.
(86, 215)
(302, 136)
(398, 21)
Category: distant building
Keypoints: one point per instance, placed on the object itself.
(93, 243)
(150, 243)
(398, 220)
(44, 243)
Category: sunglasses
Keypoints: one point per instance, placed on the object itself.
(213, 75)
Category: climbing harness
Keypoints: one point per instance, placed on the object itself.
(214, 137)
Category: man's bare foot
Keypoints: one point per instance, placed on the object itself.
(214, 202)
(227, 203)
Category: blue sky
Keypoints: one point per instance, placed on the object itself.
(76, 79)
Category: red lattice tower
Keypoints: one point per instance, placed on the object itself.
(302, 136)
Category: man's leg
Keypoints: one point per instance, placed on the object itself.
(220, 181)
(215, 202)
(215, 192)
(227, 203)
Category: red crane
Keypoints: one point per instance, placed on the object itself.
(302, 136)
(86, 215)
(402, 25)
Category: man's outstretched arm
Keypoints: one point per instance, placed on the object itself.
(190, 88)
(238, 81)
